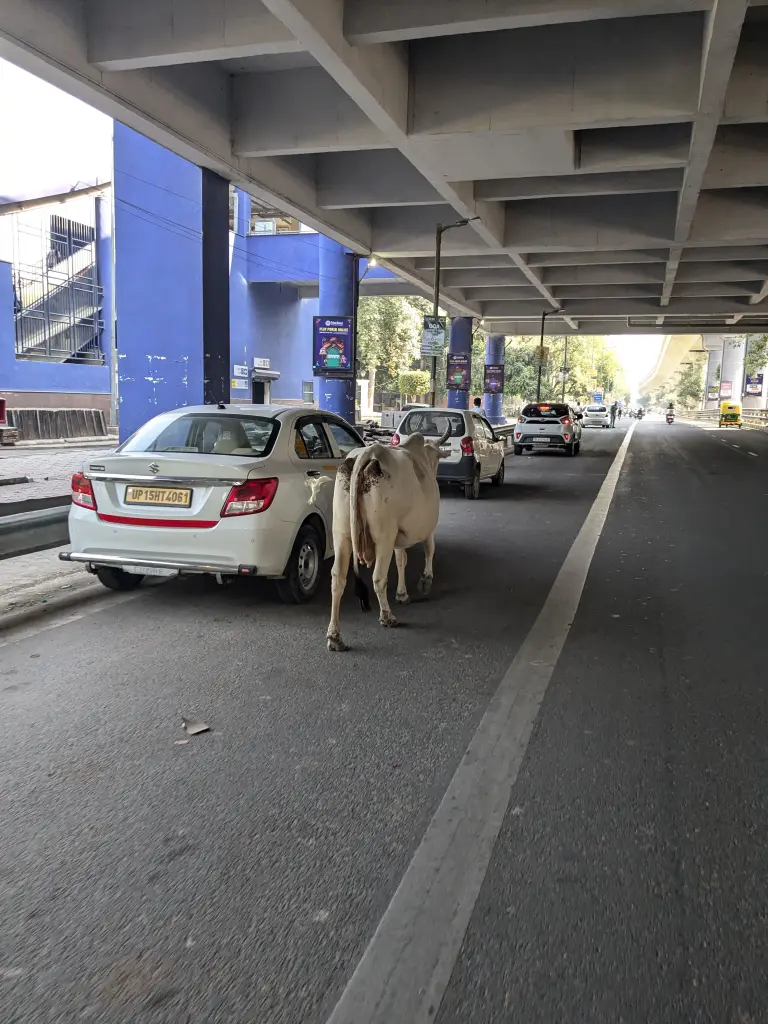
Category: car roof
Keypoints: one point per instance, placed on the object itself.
(232, 409)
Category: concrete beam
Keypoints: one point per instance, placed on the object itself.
(637, 148)
(610, 222)
(299, 111)
(621, 274)
(723, 27)
(371, 178)
(529, 327)
(464, 262)
(504, 189)
(516, 294)
(761, 295)
(739, 157)
(370, 21)
(150, 33)
(701, 289)
(735, 216)
(747, 96)
(509, 277)
(719, 271)
(712, 253)
(610, 256)
(606, 291)
(584, 308)
(626, 72)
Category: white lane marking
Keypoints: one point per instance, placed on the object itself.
(734, 446)
(754, 455)
(406, 968)
(15, 636)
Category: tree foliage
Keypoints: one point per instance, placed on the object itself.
(413, 382)
(587, 363)
(688, 387)
(389, 334)
(756, 357)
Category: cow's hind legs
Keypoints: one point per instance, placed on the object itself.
(401, 557)
(425, 582)
(338, 583)
(380, 574)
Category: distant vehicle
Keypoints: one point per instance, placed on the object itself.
(670, 416)
(477, 453)
(228, 490)
(546, 426)
(596, 416)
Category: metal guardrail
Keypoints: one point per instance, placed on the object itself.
(26, 532)
(756, 418)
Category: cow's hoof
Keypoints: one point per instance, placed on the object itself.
(388, 621)
(335, 643)
(425, 585)
(402, 598)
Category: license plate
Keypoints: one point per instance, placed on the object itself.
(541, 440)
(173, 497)
(148, 570)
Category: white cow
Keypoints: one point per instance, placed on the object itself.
(385, 500)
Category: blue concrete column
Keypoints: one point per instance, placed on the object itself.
(105, 275)
(337, 298)
(460, 343)
(494, 354)
(215, 260)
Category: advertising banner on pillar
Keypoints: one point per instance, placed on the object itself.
(433, 336)
(712, 392)
(493, 379)
(754, 384)
(332, 343)
(726, 389)
(458, 372)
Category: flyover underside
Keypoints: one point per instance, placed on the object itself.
(613, 155)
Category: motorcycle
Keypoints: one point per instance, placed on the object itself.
(639, 414)
(670, 417)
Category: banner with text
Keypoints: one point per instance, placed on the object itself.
(458, 373)
(433, 336)
(754, 385)
(493, 379)
(332, 346)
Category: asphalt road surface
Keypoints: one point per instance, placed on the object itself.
(239, 877)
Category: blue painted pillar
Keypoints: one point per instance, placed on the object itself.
(242, 212)
(494, 354)
(460, 343)
(337, 298)
(105, 276)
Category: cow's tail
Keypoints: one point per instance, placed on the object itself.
(366, 467)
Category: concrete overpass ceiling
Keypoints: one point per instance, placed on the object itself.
(613, 153)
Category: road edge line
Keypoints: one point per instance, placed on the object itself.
(407, 965)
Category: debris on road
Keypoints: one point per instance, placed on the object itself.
(192, 728)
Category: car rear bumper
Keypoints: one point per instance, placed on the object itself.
(536, 441)
(119, 561)
(457, 472)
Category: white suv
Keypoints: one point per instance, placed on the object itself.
(597, 416)
(545, 425)
(477, 453)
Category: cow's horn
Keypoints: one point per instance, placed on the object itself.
(446, 435)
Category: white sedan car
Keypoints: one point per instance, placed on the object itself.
(227, 490)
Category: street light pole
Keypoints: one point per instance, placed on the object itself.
(436, 292)
(545, 313)
(565, 367)
(372, 262)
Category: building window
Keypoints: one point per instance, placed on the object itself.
(308, 392)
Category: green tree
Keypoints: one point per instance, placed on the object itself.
(412, 383)
(389, 336)
(757, 353)
(688, 387)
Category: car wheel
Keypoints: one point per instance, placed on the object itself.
(117, 579)
(472, 488)
(518, 449)
(498, 480)
(304, 569)
(577, 448)
(570, 449)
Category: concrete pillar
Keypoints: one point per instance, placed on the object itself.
(733, 366)
(714, 355)
(337, 298)
(494, 354)
(105, 276)
(215, 256)
(242, 212)
(460, 343)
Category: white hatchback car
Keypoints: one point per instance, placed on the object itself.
(596, 416)
(227, 490)
(477, 454)
(548, 426)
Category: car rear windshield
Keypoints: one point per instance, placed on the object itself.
(545, 411)
(206, 434)
(433, 424)
(596, 408)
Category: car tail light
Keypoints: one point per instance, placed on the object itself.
(249, 498)
(82, 491)
(467, 447)
(565, 420)
(566, 436)
(395, 440)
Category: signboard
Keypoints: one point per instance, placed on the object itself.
(332, 341)
(754, 384)
(433, 336)
(597, 397)
(238, 384)
(458, 372)
(260, 364)
(493, 379)
(726, 389)
(241, 371)
(712, 392)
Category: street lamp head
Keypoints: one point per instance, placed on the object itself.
(372, 261)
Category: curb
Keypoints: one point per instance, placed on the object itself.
(42, 607)
(34, 531)
(6, 481)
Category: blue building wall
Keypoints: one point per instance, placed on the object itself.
(158, 279)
